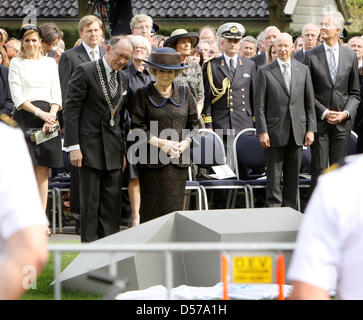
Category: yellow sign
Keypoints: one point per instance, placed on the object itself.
(256, 269)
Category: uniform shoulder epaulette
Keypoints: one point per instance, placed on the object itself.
(206, 61)
(7, 120)
(334, 166)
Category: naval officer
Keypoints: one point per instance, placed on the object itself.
(228, 84)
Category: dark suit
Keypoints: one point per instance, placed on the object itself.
(299, 55)
(259, 59)
(6, 102)
(331, 141)
(87, 123)
(234, 109)
(286, 115)
(358, 125)
(68, 62)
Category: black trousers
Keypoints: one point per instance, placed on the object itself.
(330, 146)
(283, 161)
(74, 190)
(100, 202)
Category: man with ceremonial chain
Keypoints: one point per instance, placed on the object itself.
(95, 136)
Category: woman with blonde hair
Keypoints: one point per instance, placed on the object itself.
(35, 90)
(4, 60)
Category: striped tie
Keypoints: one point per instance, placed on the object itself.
(232, 67)
(112, 84)
(93, 55)
(332, 64)
(286, 76)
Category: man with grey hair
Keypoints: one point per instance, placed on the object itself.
(260, 42)
(208, 33)
(95, 136)
(356, 44)
(334, 71)
(12, 47)
(270, 34)
(285, 121)
(141, 25)
(310, 33)
(248, 47)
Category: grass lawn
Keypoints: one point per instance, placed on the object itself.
(46, 292)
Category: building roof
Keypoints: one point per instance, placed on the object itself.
(202, 9)
(158, 9)
(45, 8)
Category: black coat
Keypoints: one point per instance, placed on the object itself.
(87, 118)
(177, 113)
(234, 110)
(279, 109)
(6, 102)
(299, 55)
(344, 94)
(259, 59)
(68, 62)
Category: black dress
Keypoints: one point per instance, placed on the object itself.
(162, 185)
(47, 154)
(137, 80)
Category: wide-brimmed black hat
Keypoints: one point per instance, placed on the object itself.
(181, 34)
(165, 58)
(28, 27)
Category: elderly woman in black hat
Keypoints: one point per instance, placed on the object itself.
(183, 42)
(35, 90)
(163, 110)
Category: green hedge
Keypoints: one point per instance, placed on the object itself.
(166, 31)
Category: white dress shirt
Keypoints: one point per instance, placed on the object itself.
(280, 62)
(108, 70)
(228, 59)
(31, 80)
(89, 49)
(336, 58)
(336, 52)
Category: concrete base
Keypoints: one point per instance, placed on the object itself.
(143, 270)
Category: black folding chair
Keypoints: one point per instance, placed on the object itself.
(248, 153)
(208, 151)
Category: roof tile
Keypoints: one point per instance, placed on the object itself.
(155, 8)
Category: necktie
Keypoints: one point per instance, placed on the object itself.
(112, 84)
(332, 64)
(286, 76)
(93, 55)
(231, 66)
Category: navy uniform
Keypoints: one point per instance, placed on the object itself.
(228, 100)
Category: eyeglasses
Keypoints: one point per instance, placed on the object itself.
(143, 28)
(10, 47)
(327, 26)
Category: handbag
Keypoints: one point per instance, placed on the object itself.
(36, 135)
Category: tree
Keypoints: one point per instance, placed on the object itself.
(276, 13)
(82, 8)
